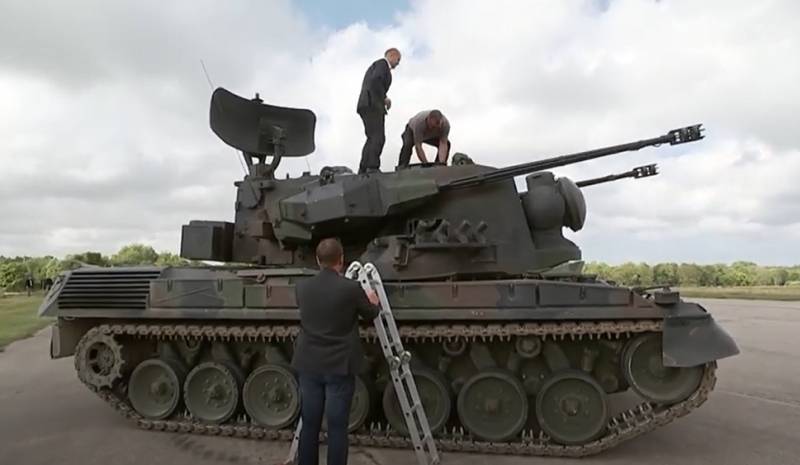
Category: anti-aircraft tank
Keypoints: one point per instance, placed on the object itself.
(514, 349)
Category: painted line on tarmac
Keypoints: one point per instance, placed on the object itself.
(784, 403)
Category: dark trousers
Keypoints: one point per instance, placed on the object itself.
(408, 147)
(374, 128)
(331, 394)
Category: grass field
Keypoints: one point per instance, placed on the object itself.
(18, 318)
(752, 292)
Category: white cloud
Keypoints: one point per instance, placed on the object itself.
(104, 138)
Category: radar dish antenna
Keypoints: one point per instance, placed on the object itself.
(259, 130)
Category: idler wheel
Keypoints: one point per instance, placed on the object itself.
(571, 407)
(643, 368)
(211, 391)
(493, 405)
(271, 396)
(99, 359)
(155, 388)
(434, 395)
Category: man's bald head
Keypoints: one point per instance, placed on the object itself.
(393, 57)
(435, 119)
(330, 254)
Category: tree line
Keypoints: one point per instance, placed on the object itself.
(689, 274)
(14, 271)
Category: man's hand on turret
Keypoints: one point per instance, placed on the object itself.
(421, 153)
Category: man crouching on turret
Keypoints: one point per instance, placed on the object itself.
(429, 127)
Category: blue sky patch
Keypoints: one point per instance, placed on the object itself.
(340, 14)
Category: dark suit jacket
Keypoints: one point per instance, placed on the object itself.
(374, 87)
(328, 343)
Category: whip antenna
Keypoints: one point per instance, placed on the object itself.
(211, 86)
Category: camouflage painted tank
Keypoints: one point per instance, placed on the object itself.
(515, 350)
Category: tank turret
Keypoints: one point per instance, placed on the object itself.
(415, 223)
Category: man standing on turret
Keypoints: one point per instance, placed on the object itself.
(372, 107)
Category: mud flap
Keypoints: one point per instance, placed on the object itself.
(56, 350)
(691, 340)
(64, 336)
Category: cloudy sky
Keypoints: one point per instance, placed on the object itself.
(104, 136)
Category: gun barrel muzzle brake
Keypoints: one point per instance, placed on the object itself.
(687, 134)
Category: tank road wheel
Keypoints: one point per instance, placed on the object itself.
(99, 359)
(435, 397)
(211, 391)
(155, 388)
(571, 407)
(359, 408)
(493, 405)
(643, 368)
(362, 403)
(271, 396)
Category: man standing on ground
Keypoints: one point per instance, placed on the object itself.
(328, 352)
(29, 284)
(372, 107)
(429, 127)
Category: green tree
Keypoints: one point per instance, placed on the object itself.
(52, 268)
(793, 274)
(712, 274)
(12, 275)
(733, 276)
(628, 274)
(781, 276)
(135, 254)
(690, 274)
(666, 273)
(602, 270)
(89, 258)
(170, 259)
(746, 273)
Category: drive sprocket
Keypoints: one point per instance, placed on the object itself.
(99, 359)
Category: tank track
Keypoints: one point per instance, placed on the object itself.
(625, 426)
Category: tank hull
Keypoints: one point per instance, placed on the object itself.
(500, 364)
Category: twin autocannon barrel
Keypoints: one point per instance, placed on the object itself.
(674, 137)
(638, 172)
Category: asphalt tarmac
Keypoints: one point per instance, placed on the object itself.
(752, 417)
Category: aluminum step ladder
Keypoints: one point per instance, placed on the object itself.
(398, 360)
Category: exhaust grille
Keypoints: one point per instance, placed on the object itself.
(125, 288)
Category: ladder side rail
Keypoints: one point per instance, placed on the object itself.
(409, 415)
(292, 458)
(375, 277)
(407, 390)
